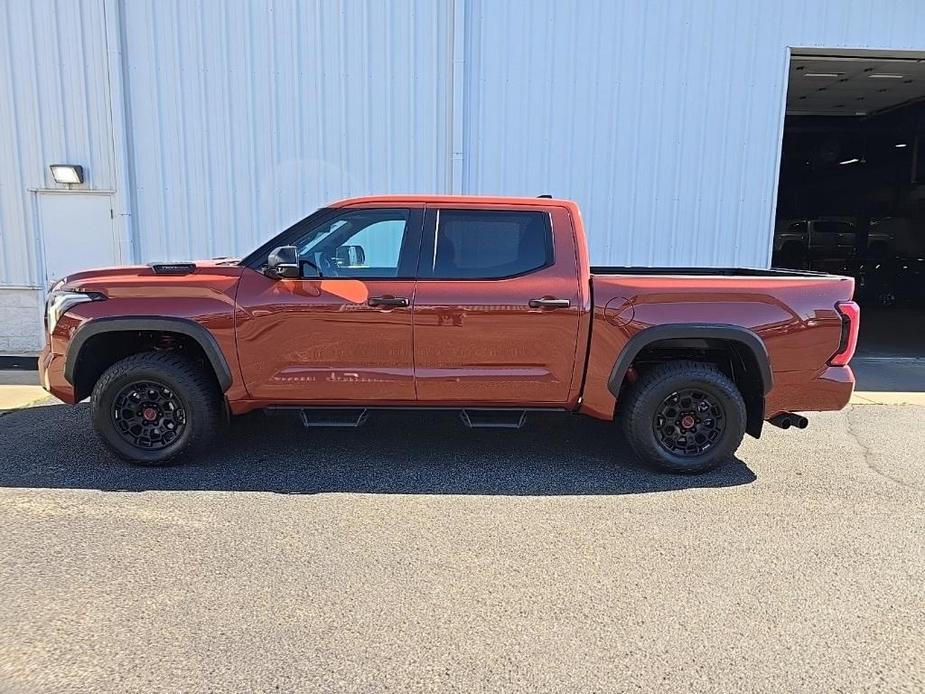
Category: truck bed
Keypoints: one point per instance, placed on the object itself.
(704, 271)
(793, 313)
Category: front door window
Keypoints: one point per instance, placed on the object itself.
(363, 244)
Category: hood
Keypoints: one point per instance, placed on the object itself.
(159, 274)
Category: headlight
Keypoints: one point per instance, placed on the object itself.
(60, 302)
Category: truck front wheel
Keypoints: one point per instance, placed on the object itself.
(684, 416)
(154, 407)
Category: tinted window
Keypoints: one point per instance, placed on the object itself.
(798, 227)
(362, 243)
(487, 245)
(825, 227)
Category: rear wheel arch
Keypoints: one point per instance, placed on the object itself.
(134, 334)
(749, 365)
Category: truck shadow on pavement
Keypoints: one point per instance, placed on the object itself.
(394, 453)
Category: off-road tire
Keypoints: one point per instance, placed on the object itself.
(189, 382)
(646, 396)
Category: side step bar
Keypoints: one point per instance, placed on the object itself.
(351, 417)
(336, 417)
(493, 419)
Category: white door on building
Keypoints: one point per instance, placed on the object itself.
(77, 232)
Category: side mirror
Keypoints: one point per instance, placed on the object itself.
(283, 263)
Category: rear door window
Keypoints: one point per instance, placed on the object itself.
(488, 244)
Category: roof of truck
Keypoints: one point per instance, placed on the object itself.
(450, 199)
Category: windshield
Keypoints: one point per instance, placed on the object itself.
(258, 256)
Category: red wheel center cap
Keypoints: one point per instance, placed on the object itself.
(150, 414)
(687, 421)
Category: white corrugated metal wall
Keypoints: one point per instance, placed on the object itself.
(247, 116)
(54, 107)
(662, 119)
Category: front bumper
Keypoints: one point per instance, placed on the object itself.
(51, 376)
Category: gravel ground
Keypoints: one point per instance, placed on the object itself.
(413, 554)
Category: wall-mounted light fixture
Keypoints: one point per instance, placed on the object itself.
(67, 173)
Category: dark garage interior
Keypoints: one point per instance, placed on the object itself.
(851, 196)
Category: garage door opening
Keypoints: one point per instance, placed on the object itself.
(851, 194)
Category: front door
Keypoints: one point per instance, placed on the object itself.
(343, 332)
(496, 309)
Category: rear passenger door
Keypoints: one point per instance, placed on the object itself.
(496, 308)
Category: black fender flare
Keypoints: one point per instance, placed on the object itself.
(674, 331)
(184, 326)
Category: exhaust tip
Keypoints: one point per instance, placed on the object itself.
(785, 420)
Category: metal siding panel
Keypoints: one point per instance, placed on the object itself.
(55, 109)
(248, 116)
(662, 119)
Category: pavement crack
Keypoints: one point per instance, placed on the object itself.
(868, 455)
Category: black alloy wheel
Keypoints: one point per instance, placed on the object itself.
(148, 415)
(155, 408)
(683, 416)
(689, 422)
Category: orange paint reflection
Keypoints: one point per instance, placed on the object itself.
(351, 290)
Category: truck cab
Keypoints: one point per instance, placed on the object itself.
(456, 302)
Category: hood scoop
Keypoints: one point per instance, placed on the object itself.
(172, 268)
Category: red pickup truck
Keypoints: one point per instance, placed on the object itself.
(486, 305)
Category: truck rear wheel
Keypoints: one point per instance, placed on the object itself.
(684, 416)
(152, 408)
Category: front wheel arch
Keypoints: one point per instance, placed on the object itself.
(120, 336)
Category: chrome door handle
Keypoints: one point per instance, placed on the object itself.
(390, 301)
(550, 303)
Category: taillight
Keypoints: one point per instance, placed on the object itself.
(850, 322)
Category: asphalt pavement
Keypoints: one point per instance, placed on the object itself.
(413, 554)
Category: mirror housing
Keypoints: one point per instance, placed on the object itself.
(283, 263)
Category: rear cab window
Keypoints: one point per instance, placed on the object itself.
(487, 244)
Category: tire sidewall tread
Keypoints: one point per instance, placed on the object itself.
(187, 379)
(654, 386)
